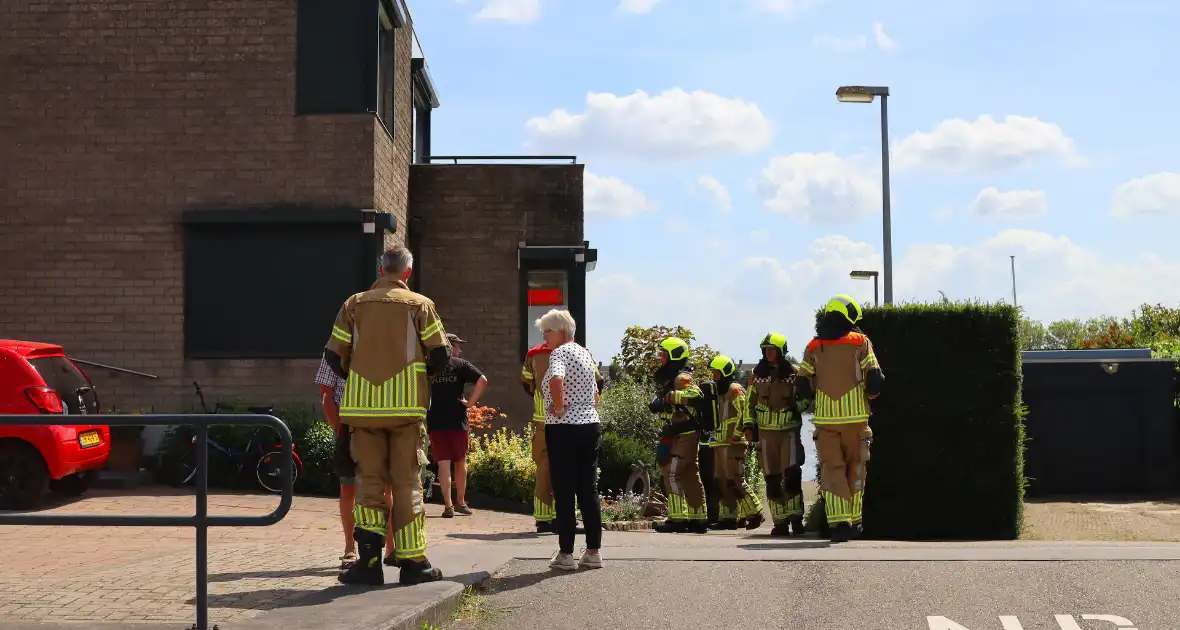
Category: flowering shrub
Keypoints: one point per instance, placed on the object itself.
(627, 506)
(500, 464)
(481, 418)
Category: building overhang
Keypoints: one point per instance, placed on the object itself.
(420, 73)
(370, 219)
(397, 11)
(557, 254)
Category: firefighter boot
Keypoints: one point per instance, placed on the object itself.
(843, 532)
(797, 527)
(671, 527)
(544, 527)
(724, 523)
(418, 573)
(754, 521)
(367, 569)
(781, 529)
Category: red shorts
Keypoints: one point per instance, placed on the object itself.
(449, 445)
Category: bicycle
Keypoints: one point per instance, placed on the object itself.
(266, 467)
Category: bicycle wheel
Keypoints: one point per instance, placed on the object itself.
(267, 472)
(186, 468)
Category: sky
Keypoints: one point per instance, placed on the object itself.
(728, 191)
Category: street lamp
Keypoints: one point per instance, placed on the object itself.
(865, 275)
(865, 94)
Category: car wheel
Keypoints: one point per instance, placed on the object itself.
(73, 485)
(23, 476)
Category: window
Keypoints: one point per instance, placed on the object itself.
(268, 290)
(547, 289)
(385, 70)
(345, 57)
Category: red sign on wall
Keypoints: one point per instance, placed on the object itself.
(546, 297)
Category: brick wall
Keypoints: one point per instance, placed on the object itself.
(118, 115)
(473, 217)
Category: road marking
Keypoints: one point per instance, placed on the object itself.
(1011, 622)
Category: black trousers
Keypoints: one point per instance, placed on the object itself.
(573, 469)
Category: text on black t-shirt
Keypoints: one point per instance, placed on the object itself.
(447, 412)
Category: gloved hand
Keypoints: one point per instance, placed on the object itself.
(656, 405)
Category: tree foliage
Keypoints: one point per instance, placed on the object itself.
(1146, 327)
(638, 356)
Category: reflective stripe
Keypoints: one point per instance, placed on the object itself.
(411, 539)
(431, 330)
(341, 334)
(369, 519)
(851, 407)
(397, 397)
(869, 361)
(837, 509)
(539, 406)
(806, 369)
(543, 512)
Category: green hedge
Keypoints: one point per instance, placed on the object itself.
(948, 431)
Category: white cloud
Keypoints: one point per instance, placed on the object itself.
(942, 214)
(1158, 193)
(612, 198)
(1056, 278)
(884, 42)
(850, 43)
(673, 125)
(990, 203)
(716, 191)
(638, 6)
(819, 188)
(985, 144)
(510, 11)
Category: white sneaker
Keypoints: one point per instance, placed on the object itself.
(564, 562)
(591, 560)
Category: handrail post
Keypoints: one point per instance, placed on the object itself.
(202, 525)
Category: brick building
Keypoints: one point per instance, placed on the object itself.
(193, 188)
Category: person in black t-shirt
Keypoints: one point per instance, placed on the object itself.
(446, 422)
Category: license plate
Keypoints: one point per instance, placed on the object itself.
(89, 438)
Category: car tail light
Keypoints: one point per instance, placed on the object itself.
(44, 399)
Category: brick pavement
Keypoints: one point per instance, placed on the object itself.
(145, 575)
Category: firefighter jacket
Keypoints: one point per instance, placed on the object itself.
(772, 401)
(838, 370)
(536, 364)
(676, 404)
(725, 414)
(383, 337)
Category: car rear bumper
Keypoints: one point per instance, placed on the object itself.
(73, 458)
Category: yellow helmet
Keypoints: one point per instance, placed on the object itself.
(676, 348)
(775, 340)
(846, 306)
(722, 364)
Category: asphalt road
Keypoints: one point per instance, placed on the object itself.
(810, 595)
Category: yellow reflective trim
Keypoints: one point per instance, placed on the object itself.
(851, 407)
(396, 397)
(806, 368)
(431, 330)
(871, 359)
(526, 375)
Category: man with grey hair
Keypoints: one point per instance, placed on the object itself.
(385, 343)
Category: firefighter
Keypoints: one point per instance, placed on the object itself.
(676, 403)
(724, 419)
(841, 371)
(776, 423)
(536, 364)
(385, 343)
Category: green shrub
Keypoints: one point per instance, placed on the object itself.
(623, 411)
(615, 458)
(500, 464)
(948, 431)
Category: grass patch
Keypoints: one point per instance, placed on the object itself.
(474, 610)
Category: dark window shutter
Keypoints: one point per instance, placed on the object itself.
(336, 56)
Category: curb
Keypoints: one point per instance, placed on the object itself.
(627, 526)
(437, 610)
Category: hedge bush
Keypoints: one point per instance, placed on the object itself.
(948, 431)
(500, 464)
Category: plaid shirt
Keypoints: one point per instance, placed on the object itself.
(325, 376)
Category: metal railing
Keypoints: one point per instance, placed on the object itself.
(201, 520)
(454, 159)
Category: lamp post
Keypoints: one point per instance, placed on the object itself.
(865, 94)
(865, 275)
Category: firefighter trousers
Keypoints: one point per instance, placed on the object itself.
(782, 467)
(544, 509)
(843, 451)
(736, 499)
(391, 456)
(682, 481)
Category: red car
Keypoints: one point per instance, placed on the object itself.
(38, 378)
